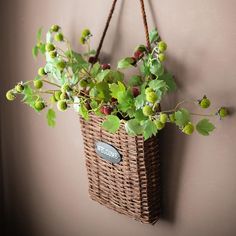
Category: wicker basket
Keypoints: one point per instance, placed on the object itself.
(131, 187)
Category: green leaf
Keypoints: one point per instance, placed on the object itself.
(158, 85)
(39, 35)
(204, 127)
(102, 75)
(169, 79)
(139, 116)
(111, 124)
(51, 116)
(115, 76)
(149, 129)
(83, 111)
(133, 127)
(95, 69)
(153, 36)
(125, 63)
(125, 100)
(116, 88)
(29, 96)
(35, 51)
(182, 117)
(135, 80)
(156, 68)
(140, 100)
(42, 48)
(90, 53)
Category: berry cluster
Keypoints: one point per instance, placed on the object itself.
(80, 81)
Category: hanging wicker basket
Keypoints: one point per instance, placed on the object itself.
(130, 187)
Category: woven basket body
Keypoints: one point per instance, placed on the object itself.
(131, 187)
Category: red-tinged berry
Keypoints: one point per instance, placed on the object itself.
(133, 61)
(138, 55)
(107, 110)
(113, 100)
(106, 66)
(135, 91)
(92, 60)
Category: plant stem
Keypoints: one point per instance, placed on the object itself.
(49, 82)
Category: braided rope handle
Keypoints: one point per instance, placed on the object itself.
(109, 20)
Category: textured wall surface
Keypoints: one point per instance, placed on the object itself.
(45, 184)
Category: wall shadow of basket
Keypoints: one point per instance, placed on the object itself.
(130, 187)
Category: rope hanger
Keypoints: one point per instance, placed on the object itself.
(109, 20)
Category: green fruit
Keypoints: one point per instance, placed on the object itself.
(223, 112)
(50, 47)
(64, 96)
(205, 102)
(83, 83)
(162, 46)
(55, 28)
(59, 37)
(65, 88)
(163, 118)
(61, 65)
(38, 84)
(39, 105)
(161, 57)
(86, 33)
(53, 99)
(10, 95)
(62, 105)
(188, 129)
(57, 95)
(41, 71)
(151, 97)
(19, 88)
(147, 110)
(82, 40)
(148, 90)
(159, 124)
(172, 118)
(53, 54)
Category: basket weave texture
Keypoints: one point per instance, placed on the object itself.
(131, 187)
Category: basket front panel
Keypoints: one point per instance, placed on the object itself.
(130, 187)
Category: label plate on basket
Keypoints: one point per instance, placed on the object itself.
(107, 152)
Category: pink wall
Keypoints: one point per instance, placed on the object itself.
(44, 174)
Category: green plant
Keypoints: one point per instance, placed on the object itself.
(76, 80)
